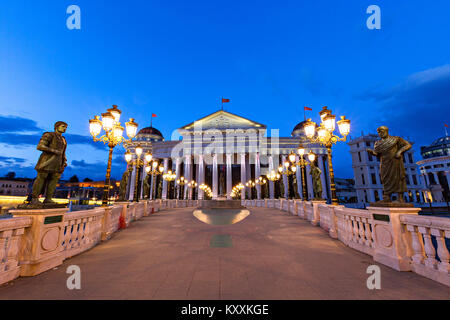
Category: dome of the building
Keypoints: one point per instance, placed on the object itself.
(149, 134)
(441, 141)
(298, 130)
(440, 147)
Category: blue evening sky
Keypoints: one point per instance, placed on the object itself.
(178, 58)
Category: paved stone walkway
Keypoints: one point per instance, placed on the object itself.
(273, 256)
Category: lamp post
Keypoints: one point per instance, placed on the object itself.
(250, 184)
(155, 171)
(261, 181)
(181, 182)
(169, 177)
(113, 137)
(287, 170)
(326, 137)
(138, 163)
(192, 185)
(303, 163)
(274, 177)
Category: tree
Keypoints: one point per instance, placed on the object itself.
(74, 179)
(11, 175)
(87, 180)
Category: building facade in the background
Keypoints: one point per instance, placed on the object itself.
(366, 169)
(222, 150)
(15, 187)
(435, 170)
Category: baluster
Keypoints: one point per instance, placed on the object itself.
(430, 252)
(362, 232)
(369, 240)
(355, 230)
(4, 238)
(13, 250)
(416, 244)
(442, 250)
(349, 228)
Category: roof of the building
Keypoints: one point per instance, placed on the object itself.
(150, 130)
(441, 141)
(298, 130)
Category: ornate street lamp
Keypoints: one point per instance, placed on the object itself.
(326, 137)
(303, 163)
(261, 181)
(169, 177)
(113, 136)
(181, 182)
(138, 163)
(154, 170)
(192, 185)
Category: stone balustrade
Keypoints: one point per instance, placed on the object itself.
(396, 237)
(34, 241)
(426, 260)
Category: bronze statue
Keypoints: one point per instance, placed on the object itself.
(51, 164)
(390, 150)
(123, 185)
(317, 182)
(147, 181)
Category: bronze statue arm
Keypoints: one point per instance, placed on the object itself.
(42, 146)
(370, 151)
(402, 150)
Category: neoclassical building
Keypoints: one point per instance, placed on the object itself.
(435, 169)
(222, 150)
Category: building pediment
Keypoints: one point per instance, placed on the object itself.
(222, 121)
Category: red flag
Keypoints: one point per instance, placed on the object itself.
(225, 100)
(153, 115)
(446, 125)
(308, 109)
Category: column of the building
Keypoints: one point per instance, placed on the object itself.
(143, 175)
(271, 184)
(257, 174)
(201, 176)
(187, 170)
(177, 172)
(229, 176)
(310, 183)
(298, 176)
(249, 174)
(436, 177)
(447, 175)
(151, 186)
(191, 176)
(132, 184)
(320, 160)
(166, 168)
(285, 178)
(215, 182)
(243, 176)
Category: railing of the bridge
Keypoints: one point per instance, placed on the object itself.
(396, 237)
(36, 241)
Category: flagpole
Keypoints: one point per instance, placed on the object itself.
(222, 103)
(151, 120)
(304, 112)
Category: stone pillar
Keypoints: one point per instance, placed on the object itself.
(215, 177)
(201, 176)
(323, 177)
(191, 176)
(143, 176)
(229, 176)
(285, 179)
(390, 247)
(43, 240)
(257, 174)
(243, 175)
(271, 184)
(166, 168)
(310, 184)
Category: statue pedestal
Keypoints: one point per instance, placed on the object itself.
(390, 248)
(43, 243)
(316, 215)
